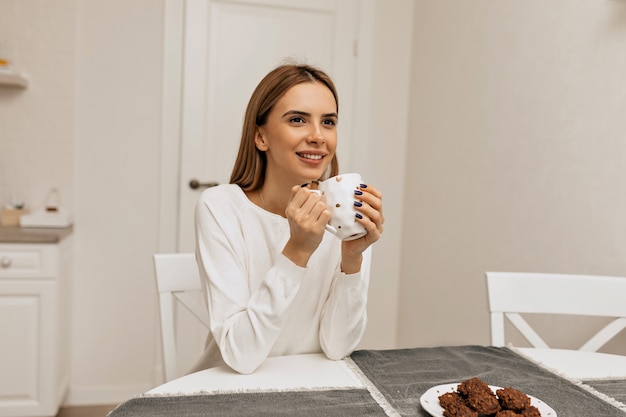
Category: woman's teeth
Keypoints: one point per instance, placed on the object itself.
(307, 156)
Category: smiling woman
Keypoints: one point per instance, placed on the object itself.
(276, 282)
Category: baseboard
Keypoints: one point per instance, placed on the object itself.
(102, 395)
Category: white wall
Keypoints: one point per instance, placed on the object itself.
(116, 186)
(381, 145)
(89, 125)
(517, 156)
(37, 123)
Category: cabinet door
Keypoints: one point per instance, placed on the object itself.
(27, 330)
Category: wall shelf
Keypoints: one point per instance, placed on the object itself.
(12, 79)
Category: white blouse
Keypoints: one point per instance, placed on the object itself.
(260, 303)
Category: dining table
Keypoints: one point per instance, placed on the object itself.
(389, 382)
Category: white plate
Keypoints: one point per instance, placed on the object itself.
(430, 400)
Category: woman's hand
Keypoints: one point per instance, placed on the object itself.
(307, 216)
(372, 219)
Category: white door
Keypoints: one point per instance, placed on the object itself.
(228, 47)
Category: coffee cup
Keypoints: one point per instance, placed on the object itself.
(338, 193)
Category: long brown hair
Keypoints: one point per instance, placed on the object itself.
(250, 165)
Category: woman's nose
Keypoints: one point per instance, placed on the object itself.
(316, 136)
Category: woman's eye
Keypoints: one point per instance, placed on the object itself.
(330, 122)
(296, 120)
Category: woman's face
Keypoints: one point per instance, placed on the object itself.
(300, 135)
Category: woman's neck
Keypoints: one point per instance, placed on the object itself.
(274, 199)
(271, 198)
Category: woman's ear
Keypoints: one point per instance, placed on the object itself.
(259, 140)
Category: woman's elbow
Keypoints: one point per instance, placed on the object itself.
(338, 352)
(338, 355)
(243, 366)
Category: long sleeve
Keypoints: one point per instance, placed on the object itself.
(344, 317)
(245, 319)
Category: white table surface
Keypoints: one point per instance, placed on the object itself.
(310, 371)
(578, 364)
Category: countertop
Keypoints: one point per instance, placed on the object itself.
(17, 234)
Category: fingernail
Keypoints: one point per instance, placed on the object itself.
(358, 192)
(363, 185)
(305, 184)
(358, 216)
(358, 204)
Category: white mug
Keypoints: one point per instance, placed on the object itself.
(338, 193)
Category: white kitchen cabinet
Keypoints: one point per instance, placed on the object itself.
(34, 324)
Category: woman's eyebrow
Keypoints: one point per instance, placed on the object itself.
(303, 113)
(296, 112)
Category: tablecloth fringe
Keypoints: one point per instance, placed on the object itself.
(610, 400)
(374, 392)
(617, 404)
(247, 391)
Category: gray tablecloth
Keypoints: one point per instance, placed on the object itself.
(402, 376)
(615, 389)
(339, 403)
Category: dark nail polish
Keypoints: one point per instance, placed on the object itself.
(358, 204)
(363, 185)
(304, 185)
(358, 216)
(358, 192)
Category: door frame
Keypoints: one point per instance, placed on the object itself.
(169, 173)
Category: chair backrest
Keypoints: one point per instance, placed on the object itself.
(511, 293)
(177, 278)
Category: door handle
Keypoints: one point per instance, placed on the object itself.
(6, 262)
(194, 184)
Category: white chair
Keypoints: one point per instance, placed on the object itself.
(512, 294)
(177, 279)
